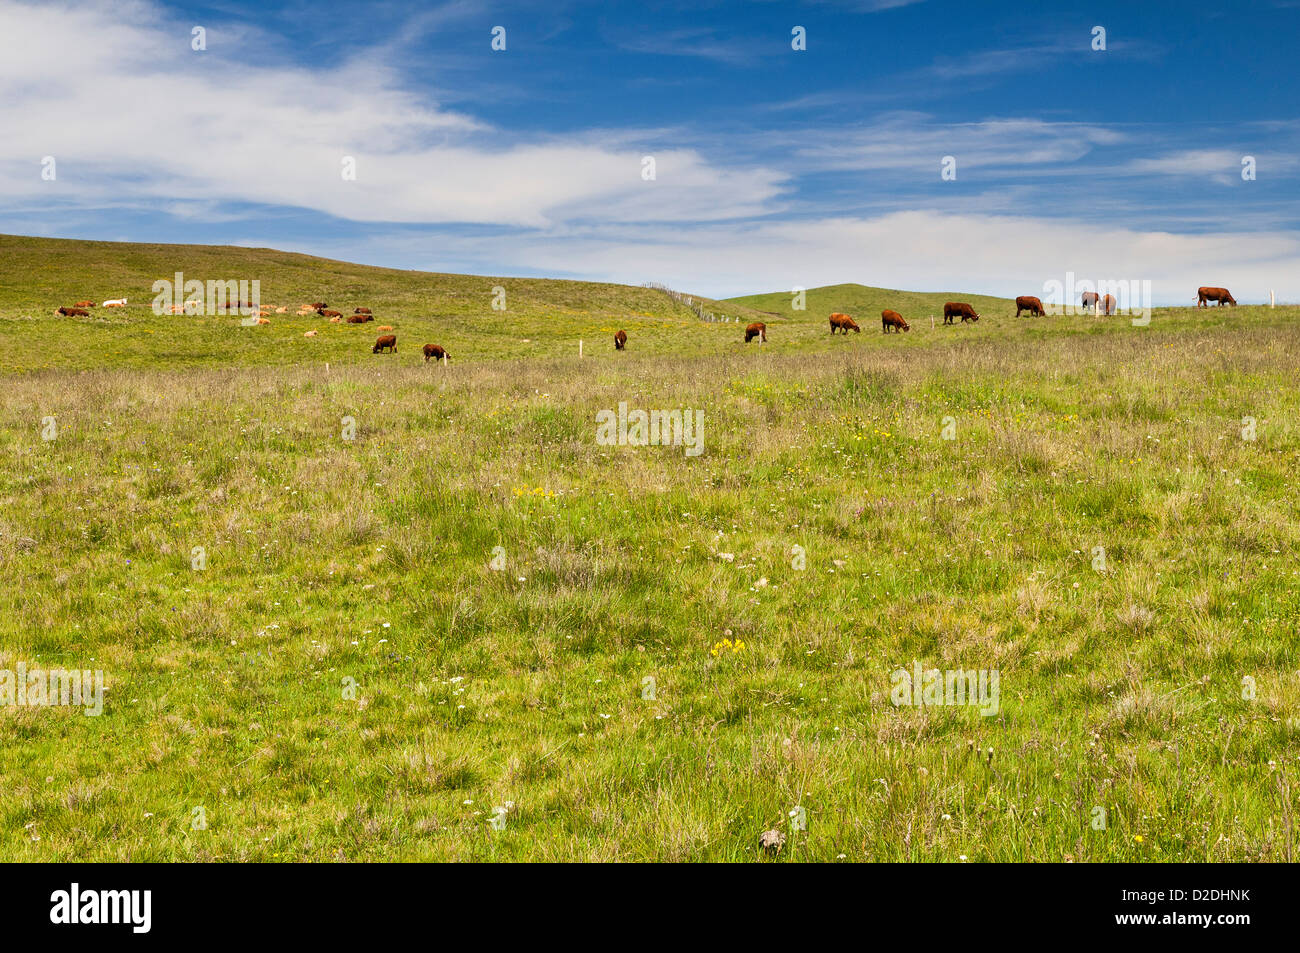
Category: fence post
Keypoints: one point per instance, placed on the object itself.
(579, 347)
(1272, 301)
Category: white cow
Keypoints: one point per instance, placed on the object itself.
(114, 303)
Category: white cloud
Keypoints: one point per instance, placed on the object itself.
(131, 113)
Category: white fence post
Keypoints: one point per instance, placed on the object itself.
(579, 347)
(1272, 301)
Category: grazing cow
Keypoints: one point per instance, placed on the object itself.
(756, 330)
(960, 309)
(325, 313)
(309, 334)
(317, 305)
(115, 303)
(1220, 295)
(1091, 299)
(892, 319)
(1031, 304)
(85, 304)
(73, 312)
(1108, 304)
(842, 322)
(620, 340)
(361, 311)
(434, 351)
(388, 341)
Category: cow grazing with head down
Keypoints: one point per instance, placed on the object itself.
(959, 309)
(385, 342)
(842, 322)
(434, 351)
(1091, 299)
(1221, 295)
(1031, 304)
(756, 330)
(892, 319)
(620, 340)
(1108, 304)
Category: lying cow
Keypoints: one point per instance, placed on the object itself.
(361, 311)
(842, 322)
(352, 318)
(85, 304)
(115, 303)
(73, 312)
(620, 340)
(1221, 295)
(318, 305)
(954, 309)
(756, 330)
(1031, 304)
(434, 351)
(387, 341)
(326, 313)
(892, 319)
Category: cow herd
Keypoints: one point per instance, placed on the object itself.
(843, 323)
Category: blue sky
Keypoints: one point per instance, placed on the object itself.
(774, 168)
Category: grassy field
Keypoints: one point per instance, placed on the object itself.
(1158, 685)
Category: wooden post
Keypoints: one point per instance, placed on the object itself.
(1272, 301)
(579, 347)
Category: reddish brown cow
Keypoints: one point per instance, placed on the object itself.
(318, 305)
(756, 330)
(352, 319)
(388, 341)
(434, 351)
(620, 340)
(842, 322)
(1108, 304)
(85, 304)
(361, 311)
(73, 312)
(326, 313)
(892, 319)
(1031, 304)
(1221, 295)
(960, 309)
(1090, 299)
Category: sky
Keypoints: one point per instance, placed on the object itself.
(395, 134)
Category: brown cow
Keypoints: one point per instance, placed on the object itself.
(892, 319)
(352, 318)
(385, 341)
(1221, 295)
(959, 308)
(1090, 299)
(842, 322)
(620, 340)
(1031, 304)
(326, 313)
(317, 305)
(756, 330)
(1108, 304)
(434, 351)
(361, 311)
(73, 312)
(85, 304)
